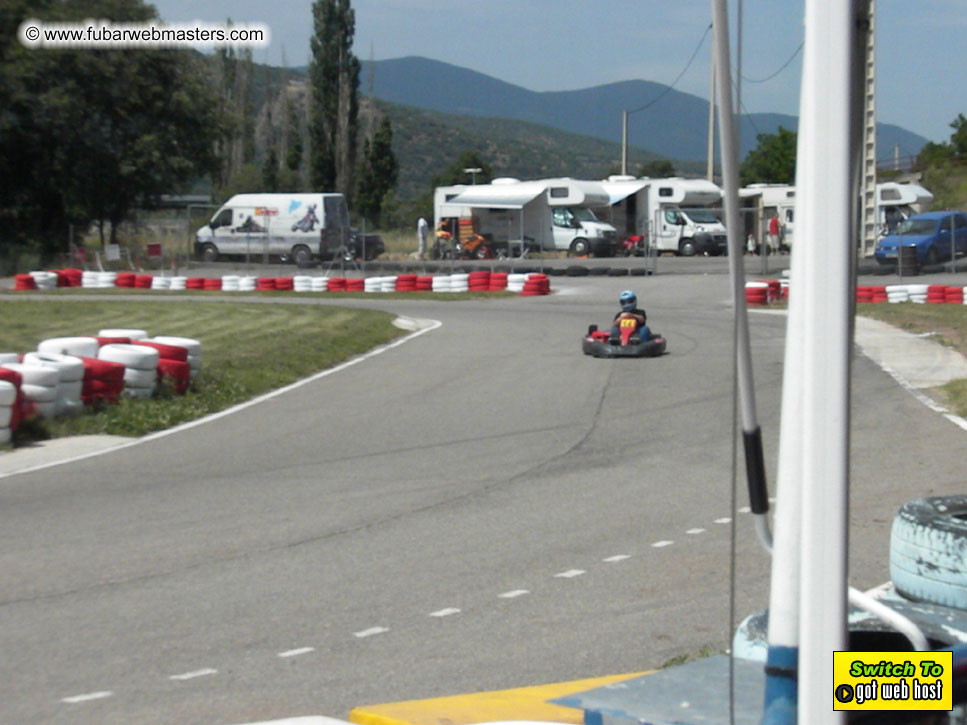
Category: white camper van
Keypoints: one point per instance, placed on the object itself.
(896, 201)
(673, 215)
(302, 227)
(761, 202)
(513, 215)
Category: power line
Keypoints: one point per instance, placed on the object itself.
(684, 70)
(781, 68)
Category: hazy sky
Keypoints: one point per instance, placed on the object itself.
(548, 45)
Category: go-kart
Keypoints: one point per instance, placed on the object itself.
(600, 343)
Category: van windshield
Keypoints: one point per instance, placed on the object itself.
(585, 215)
(700, 216)
(917, 226)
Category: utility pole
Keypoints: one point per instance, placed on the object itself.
(710, 171)
(624, 143)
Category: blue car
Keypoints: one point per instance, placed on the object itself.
(930, 233)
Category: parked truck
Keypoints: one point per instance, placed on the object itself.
(670, 215)
(514, 216)
(300, 227)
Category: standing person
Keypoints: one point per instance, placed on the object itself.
(774, 234)
(422, 229)
(630, 310)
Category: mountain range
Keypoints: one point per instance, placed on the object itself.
(674, 125)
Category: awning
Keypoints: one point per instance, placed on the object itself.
(511, 196)
(621, 190)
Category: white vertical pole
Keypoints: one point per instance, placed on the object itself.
(825, 236)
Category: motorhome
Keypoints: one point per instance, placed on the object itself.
(897, 201)
(515, 216)
(761, 202)
(673, 215)
(300, 227)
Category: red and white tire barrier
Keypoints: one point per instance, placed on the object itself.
(477, 281)
(70, 379)
(140, 367)
(8, 402)
(38, 386)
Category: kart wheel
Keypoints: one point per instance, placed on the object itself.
(209, 253)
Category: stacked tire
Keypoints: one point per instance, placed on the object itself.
(103, 382)
(536, 284)
(424, 283)
(498, 282)
(24, 282)
(441, 283)
(173, 366)
(337, 284)
(140, 367)
(756, 293)
(38, 386)
(195, 283)
(406, 283)
(70, 380)
(936, 294)
(954, 295)
(191, 346)
(479, 281)
(8, 404)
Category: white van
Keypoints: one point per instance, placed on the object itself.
(300, 227)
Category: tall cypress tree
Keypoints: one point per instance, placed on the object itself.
(378, 173)
(334, 80)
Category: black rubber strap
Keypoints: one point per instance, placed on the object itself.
(755, 471)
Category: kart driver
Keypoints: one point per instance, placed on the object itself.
(628, 301)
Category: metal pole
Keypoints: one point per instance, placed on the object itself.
(624, 142)
(710, 166)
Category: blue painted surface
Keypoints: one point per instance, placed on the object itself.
(696, 692)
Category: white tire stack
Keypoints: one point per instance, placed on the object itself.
(90, 280)
(130, 333)
(230, 283)
(388, 284)
(6, 357)
(140, 366)
(161, 283)
(76, 346)
(39, 386)
(515, 282)
(320, 284)
(246, 284)
(302, 283)
(460, 282)
(70, 381)
(192, 346)
(441, 283)
(373, 284)
(8, 396)
(918, 293)
(107, 280)
(897, 293)
(44, 280)
(178, 283)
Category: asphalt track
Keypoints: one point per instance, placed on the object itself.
(479, 508)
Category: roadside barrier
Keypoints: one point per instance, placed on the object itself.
(475, 281)
(766, 292)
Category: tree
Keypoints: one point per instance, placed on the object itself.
(334, 111)
(378, 172)
(773, 161)
(657, 169)
(958, 139)
(88, 135)
(456, 174)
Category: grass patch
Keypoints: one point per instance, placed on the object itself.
(949, 325)
(247, 349)
(706, 651)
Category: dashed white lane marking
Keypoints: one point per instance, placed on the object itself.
(726, 520)
(192, 675)
(745, 510)
(570, 574)
(662, 544)
(370, 632)
(297, 652)
(617, 557)
(445, 612)
(514, 594)
(87, 697)
(695, 531)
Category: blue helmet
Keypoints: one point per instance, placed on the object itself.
(628, 300)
